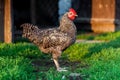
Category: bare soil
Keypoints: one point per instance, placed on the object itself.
(45, 65)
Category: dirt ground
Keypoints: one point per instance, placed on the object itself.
(45, 65)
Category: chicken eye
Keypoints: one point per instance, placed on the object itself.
(71, 13)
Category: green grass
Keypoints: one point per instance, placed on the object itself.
(15, 68)
(93, 61)
(103, 36)
(104, 65)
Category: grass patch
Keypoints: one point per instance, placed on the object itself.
(104, 65)
(103, 36)
(15, 68)
(102, 59)
(93, 61)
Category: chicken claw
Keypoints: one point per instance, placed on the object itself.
(61, 69)
(58, 66)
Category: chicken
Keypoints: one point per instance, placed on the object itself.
(53, 40)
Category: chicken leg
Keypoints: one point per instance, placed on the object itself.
(58, 66)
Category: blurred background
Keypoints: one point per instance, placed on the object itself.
(98, 16)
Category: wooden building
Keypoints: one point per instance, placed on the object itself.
(95, 15)
(98, 15)
(15, 12)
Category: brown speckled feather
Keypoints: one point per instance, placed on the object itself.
(53, 40)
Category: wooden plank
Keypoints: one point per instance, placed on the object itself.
(7, 22)
(103, 10)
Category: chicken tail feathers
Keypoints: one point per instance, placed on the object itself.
(28, 26)
(28, 29)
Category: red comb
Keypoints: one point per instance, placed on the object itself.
(72, 10)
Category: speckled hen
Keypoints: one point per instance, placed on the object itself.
(53, 40)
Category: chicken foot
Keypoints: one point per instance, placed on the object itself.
(58, 66)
